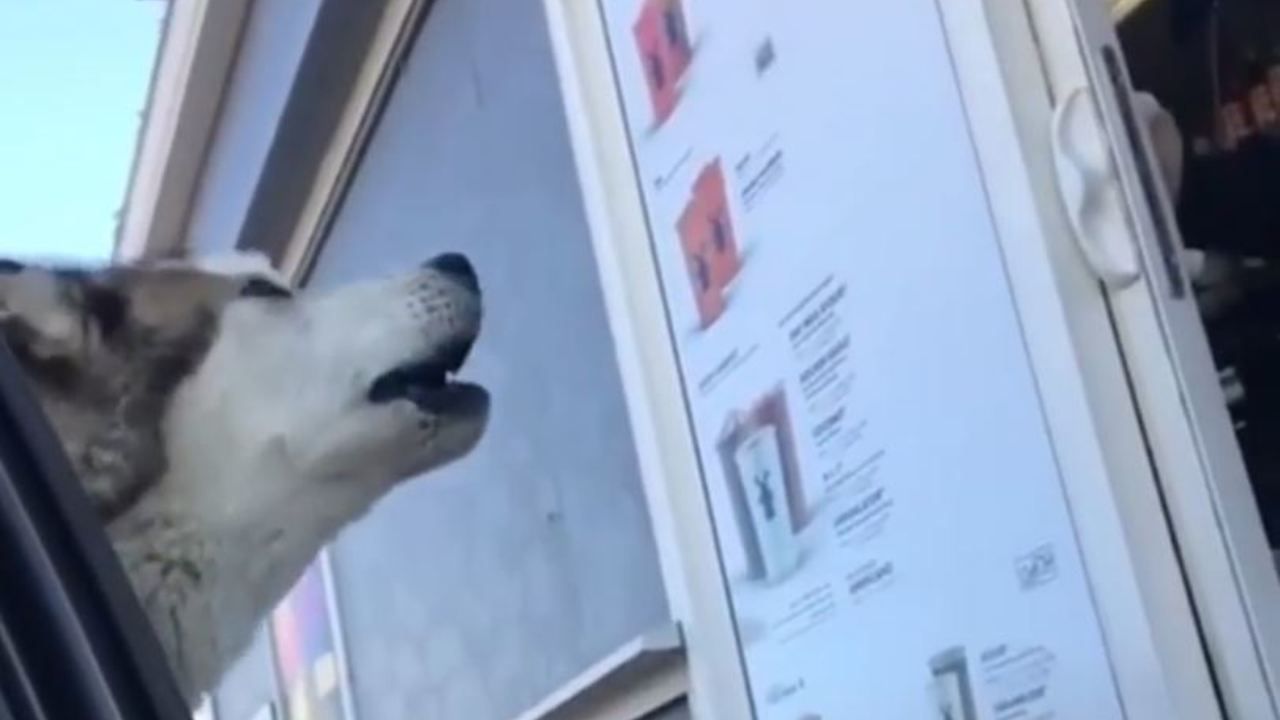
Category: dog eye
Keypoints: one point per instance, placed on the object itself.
(263, 288)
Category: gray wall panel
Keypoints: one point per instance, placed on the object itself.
(470, 594)
(274, 38)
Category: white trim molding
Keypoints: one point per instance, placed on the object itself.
(374, 83)
(644, 675)
(196, 57)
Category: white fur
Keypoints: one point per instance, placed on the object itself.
(273, 448)
(238, 262)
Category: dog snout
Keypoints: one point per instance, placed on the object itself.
(457, 268)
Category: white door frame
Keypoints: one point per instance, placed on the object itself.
(1202, 475)
(651, 382)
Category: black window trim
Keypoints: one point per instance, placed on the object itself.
(74, 642)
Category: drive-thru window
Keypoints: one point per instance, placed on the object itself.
(848, 359)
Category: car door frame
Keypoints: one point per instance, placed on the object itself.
(74, 642)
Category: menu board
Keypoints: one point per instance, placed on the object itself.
(890, 517)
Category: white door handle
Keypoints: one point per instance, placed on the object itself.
(1091, 193)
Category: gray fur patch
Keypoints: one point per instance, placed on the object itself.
(105, 352)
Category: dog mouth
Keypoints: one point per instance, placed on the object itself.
(432, 385)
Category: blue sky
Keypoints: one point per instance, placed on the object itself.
(73, 83)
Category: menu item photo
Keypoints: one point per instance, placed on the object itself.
(951, 687)
(710, 243)
(662, 39)
(757, 449)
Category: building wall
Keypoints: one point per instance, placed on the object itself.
(471, 594)
(274, 37)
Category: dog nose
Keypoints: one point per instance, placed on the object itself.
(457, 267)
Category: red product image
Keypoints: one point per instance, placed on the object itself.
(709, 242)
(662, 37)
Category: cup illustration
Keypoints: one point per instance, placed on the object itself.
(662, 39)
(757, 449)
(709, 243)
(951, 687)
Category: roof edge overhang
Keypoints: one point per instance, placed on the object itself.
(198, 48)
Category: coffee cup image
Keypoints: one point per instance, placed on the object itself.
(951, 687)
(759, 461)
(757, 451)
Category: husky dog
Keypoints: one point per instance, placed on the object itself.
(226, 428)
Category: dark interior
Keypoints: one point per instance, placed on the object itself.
(1215, 64)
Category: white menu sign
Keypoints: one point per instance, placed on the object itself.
(891, 519)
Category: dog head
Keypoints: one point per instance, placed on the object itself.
(258, 401)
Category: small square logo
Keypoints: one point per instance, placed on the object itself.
(1036, 568)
